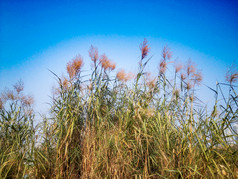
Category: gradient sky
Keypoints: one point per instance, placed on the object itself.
(40, 35)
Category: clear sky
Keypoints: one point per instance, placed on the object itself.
(40, 35)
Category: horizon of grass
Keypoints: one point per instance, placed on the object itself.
(122, 125)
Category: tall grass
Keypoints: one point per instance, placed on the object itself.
(119, 125)
(16, 133)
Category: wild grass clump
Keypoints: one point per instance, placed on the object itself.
(16, 133)
(114, 124)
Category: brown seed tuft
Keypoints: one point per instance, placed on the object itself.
(234, 77)
(178, 67)
(183, 76)
(232, 74)
(106, 63)
(190, 68)
(27, 100)
(93, 53)
(162, 67)
(166, 53)
(189, 85)
(19, 86)
(144, 49)
(197, 78)
(10, 95)
(74, 66)
(122, 76)
(65, 83)
(151, 83)
(113, 66)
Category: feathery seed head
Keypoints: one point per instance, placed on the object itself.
(197, 78)
(189, 85)
(106, 63)
(113, 66)
(166, 53)
(144, 49)
(234, 78)
(162, 67)
(183, 76)
(150, 81)
(190, 68)
(74, 66)
(10, 95)
(232, 74)
(178, 67)
(27, 100)
(65, 83)
(19, 86)
(122, 76)
(93, 53)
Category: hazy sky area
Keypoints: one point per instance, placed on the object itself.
(39, 35)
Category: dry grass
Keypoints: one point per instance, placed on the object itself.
(107, 127)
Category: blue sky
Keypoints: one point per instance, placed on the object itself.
(40, 35)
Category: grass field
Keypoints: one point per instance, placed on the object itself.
(115, 124)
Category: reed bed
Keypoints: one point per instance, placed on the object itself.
(114, 124)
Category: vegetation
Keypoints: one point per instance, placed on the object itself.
(122, 125)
